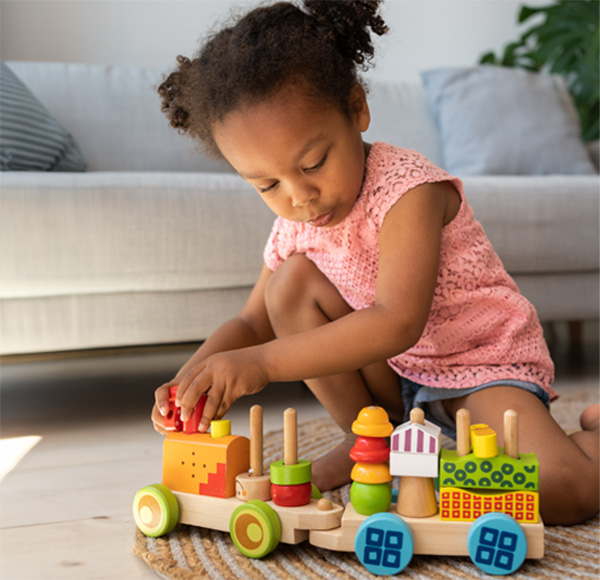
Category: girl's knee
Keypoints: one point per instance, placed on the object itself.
(288, 289)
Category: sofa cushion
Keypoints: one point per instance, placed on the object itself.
(30, 138)
(400, 116)
(114, 114)
(501, 121)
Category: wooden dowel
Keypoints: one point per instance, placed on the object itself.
(463, 432)
(290, 437)
(256, 440)
(417, 415)
(511, 434)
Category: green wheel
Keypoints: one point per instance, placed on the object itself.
(155, 510)
(255, 528)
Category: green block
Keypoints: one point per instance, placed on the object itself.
(501, 472)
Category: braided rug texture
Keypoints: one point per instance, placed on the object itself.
(189, 552)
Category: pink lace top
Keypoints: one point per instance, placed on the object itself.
(480, 329)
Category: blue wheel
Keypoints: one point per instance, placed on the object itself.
(497, 544)
(384, 544)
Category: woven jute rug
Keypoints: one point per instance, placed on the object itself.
(189, 552)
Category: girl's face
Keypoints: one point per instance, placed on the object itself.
(306, 159)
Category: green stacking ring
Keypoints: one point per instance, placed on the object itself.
(291, 474)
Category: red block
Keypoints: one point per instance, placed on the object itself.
(291, 495)
(173, 420)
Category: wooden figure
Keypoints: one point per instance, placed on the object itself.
(254, 484)
(416, 495)
(291, 478)
(415, 447)
(371, 492)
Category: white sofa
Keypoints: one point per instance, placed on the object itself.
(156, 244)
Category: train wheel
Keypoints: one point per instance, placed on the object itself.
(497, 544)
(255, 528)
(384, 544)
(155, 510)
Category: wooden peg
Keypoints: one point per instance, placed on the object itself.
(417, 415)
(463, 432)
(290, 437)
(256, 440)
(511, 434)
(416, 497)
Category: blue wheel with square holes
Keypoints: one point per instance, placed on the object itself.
(497, 544)
(384, 544)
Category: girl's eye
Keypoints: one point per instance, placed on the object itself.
(318, 165)
(266, 189)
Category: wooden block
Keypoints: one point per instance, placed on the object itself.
(202, 464)
(484, 441)
(468, 505)
(416, 497)
(501, 472)
(414, 464)
(249, 486)
(291, 495)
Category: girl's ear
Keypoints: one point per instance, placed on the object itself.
(359, 108)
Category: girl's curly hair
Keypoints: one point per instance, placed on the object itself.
(321, 46)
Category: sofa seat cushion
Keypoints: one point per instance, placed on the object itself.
(103, 233)
(539, 224)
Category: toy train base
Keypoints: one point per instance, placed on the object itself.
(383, 542)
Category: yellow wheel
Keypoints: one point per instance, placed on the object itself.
(255, 528)
(155, 510)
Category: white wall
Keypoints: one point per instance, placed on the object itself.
(424, 33)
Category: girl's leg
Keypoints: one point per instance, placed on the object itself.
(298, 298)
(569, 464)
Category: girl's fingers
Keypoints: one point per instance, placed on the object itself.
(211, 407)
(190, 397)
(158, 420)
(161, 396)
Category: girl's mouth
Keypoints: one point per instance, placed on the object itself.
(322, 220)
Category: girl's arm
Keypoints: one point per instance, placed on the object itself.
(408, 266)
(409, 252)
(250, 327)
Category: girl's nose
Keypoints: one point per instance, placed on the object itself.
(303, 196)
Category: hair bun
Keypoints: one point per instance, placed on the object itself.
(349, 22)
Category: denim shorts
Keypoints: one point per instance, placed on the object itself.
(430, 400)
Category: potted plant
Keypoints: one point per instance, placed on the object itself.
(564, 42)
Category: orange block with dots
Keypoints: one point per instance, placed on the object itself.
(204, 465)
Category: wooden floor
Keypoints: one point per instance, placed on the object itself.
(80, 427)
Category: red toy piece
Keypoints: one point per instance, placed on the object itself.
(291, 495)
(370, 450)
(173, 420)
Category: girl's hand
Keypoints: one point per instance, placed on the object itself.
(161, 406)
(224, 377)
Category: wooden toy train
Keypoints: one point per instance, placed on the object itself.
(488, 506)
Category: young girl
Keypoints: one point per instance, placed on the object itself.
(378, 287)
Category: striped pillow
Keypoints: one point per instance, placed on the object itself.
(30, 138)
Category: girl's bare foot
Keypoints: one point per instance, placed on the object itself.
(333, 469)
(590, 418)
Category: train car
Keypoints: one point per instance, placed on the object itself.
(485, 504)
